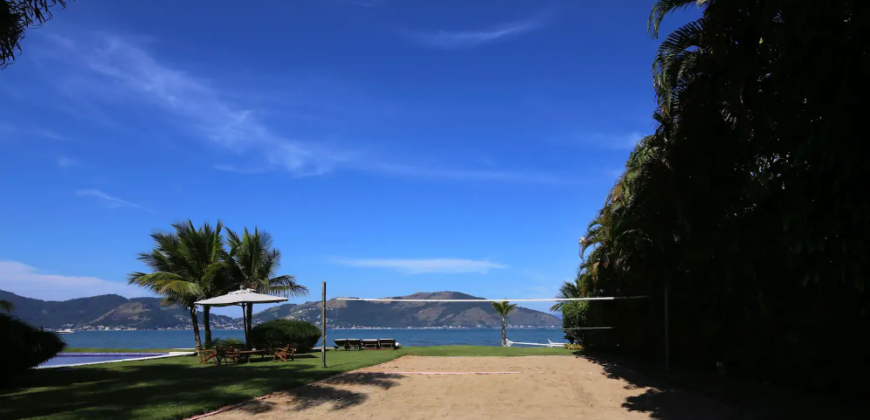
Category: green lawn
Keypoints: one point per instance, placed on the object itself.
(178, 387)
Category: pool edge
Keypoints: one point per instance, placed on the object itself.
(162, 356)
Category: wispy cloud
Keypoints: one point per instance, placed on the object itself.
(131, 71)
(66, 162)
(424, 266)
(450, 40)
(465, 175)
(113, 69)
(622, 141)
(24, 280)
(107, 200)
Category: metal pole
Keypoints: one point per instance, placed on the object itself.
(667, 333)
(323, 325)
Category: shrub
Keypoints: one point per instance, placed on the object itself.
(574, 315)
(23, 347)
(226, 342)
(281, 332)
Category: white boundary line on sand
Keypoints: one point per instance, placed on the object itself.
(446, 373)
(133, 359)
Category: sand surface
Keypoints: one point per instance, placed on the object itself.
(551, 387)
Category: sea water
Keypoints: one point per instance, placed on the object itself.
(169, 339)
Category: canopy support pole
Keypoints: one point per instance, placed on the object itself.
(323, 326)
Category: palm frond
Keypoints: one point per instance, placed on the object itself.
(6, 306)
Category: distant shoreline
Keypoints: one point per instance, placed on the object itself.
(328, 328)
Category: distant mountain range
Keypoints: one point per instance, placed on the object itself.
(110, 311)
(113, 311)
(365, 314)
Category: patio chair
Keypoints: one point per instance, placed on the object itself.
(354, 343)
(341, 343)
(284, 353)
(371, 343)
(387, 343)
(206, 355)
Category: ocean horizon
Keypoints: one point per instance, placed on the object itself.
(168, 339)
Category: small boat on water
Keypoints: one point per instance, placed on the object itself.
(66, 331)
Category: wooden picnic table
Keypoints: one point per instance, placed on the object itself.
(235, 355)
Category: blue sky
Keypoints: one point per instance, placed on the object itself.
(389, 146)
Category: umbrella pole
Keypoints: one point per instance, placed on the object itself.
(245, 324)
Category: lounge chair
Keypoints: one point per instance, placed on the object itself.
(371, 343)
(354, 343)
(387, 343)
(284, 353)
(206, 355)
(341, 343)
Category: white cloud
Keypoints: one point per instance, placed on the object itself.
(107, 200)
(475, 38)
(27, 281)
(435, 265)
(66, 162)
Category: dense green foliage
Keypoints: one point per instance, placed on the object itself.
(574, 316)
(24, 347)
(746, 204)
(278, 333)
(16, 16)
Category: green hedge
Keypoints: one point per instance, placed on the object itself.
(281, 332)
(23, 347)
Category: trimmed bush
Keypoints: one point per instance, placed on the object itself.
(23, 347)
(281, 332)
(226, 342)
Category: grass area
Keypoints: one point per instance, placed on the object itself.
(179, 387)
(94, 350)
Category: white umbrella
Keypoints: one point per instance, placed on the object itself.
(241, 297)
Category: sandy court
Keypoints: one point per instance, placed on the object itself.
(533, 387)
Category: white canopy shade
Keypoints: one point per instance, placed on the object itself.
(239, 297)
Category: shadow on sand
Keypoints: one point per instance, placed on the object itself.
(680, 394)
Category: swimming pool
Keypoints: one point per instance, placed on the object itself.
(75, 359)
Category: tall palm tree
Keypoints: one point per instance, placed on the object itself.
(252, 263)
(503, 309)
(188, 265)
(6, 306)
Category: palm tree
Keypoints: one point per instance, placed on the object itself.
(503, 309)
(188, 265)
(6, 306)
(568, 290)
(252, 263)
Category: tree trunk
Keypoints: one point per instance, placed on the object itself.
(250, 321)
(195, 327)
(503, 332)
(245, 323)
(206, 319)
